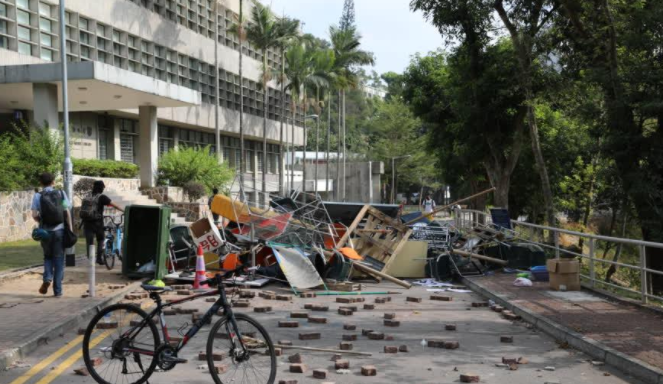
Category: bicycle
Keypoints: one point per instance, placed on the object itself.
(113, 242)
(137, 351)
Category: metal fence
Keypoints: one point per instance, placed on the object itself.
(549, 238)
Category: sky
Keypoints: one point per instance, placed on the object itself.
(388, 28)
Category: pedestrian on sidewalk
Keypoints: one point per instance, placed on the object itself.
(92, 216)
(50, 208)
(428, 205)
(215, 192)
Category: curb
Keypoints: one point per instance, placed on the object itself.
(593, 348)
(57, 330)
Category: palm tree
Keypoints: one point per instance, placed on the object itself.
(306, 69)
(346, 43)
(287, 33)
(262, 32)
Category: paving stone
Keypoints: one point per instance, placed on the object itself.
(241, 304)
(360, 299)
(376, 336)
(283, 297)
(310, 336)
(369, 370)
(389, 316)
(380, 300)
(365, 332)
(413, 299)
(299, 315)
(247, 294)
(403, 348)
(267, 295)
(450, 327)
(506, 339)
(441, 298)
(262, 309)
(345, 311)
(392, 323)
(342, 364)
(353, 308)
(390, 349)
(479, 304)
(277, 351)
(320, 373)
(369, 306)
(349, 338)
(451, 345)
(295, 359)
(345, 346)
(435, 343)
(288, 324)
(317, 320)
(320, 308)
(345, 300)
(469, 378)
(297, 368)
(349, 327)
(309, 305)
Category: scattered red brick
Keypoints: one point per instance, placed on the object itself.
(376, 336)
(247, 294)
(299, 315)
(342, 364)
(349, 327)
(288, 324)
(220, 369)
(317, 320)
(369, 306)
(480, 305)
(310, 336)
(283, 297)
(319, 373)
(389, 316)
(392, 323)
(345, 346)
(469, 378)
(108, 325)
(262, 309)
(295, 359)
(345, 311)
(82, 371)
(413, 299)
(403, 348)
(441, 298)
(297, 368)
(390, 349)
(319, 308)
(450, 327)
(506, 339)
(369, 370)
(349, 337)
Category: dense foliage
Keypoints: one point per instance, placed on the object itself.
(184, 165)
(105, 168)
(27, 152)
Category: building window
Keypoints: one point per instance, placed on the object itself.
(103, 144)
(23, 4)
(46, 54)
(84, 38)
(128, 136)
(44, 9)
(24, 48)
(24, 33)
(45, 25)
(46, 40)
(3, 41)
(23, 17)
(84, 24)
(85, 52)
(3, 10)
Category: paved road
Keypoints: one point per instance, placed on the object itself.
(479, 331)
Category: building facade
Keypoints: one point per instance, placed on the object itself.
(149, 75)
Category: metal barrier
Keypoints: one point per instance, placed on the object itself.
(536, 234)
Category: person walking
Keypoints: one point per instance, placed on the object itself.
(215, 192)
(428, 205)
(92, 216)
(50, 208)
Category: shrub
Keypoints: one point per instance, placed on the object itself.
(105, 168)
(25, 153)
(178, 167)
(83, 187)
(194, 190)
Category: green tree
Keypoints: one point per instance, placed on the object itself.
(348, 16)
(184, 165)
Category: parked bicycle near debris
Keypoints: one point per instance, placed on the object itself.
(126, 339)
(112, 241)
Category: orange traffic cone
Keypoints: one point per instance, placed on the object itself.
(200, 270)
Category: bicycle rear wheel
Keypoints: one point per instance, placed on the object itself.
(115, 350)
(257, 366)
(109, 256)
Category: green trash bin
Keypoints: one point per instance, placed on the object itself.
(146, 235)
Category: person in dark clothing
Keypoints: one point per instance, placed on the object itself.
(94, 228)
(215, 192)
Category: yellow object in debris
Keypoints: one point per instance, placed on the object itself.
(232, 210)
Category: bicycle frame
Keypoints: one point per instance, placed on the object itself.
(221, 303)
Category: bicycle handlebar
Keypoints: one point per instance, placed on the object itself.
(218, 278)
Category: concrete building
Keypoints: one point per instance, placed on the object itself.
(143, 79)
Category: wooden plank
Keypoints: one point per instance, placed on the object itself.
(375, 273)
(400, 246)
(352, 227)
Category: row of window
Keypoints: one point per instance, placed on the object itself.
(31, 31)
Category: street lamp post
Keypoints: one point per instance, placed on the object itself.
(393, 175)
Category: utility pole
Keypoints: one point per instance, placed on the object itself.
(328, 143)
(241, 101)
(217, 129)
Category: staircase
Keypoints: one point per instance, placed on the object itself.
(124, 198)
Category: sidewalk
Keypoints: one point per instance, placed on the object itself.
(30, 319)
(623, 335)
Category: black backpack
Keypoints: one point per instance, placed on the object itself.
(90, 208)
(52, 209)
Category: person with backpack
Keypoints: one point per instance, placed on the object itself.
(50, 208)
(428, 205)
(92, 216)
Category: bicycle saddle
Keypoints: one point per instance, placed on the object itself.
(154, 288)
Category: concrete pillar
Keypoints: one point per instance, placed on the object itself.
(148, 145)
(176, 138)
(45, 101)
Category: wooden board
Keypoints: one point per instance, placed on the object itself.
(376, 235)
(410, 261)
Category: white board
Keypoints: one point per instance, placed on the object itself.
(297, 268)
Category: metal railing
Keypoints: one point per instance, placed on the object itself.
(537, 234)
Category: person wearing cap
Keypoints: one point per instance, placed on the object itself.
(50, 208)
(95, 228)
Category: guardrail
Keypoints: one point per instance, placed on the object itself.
(536, 234)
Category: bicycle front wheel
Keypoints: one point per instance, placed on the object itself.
(120, 345)
(109, 256)
(230, 363)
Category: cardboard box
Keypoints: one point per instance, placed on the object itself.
(206, 234)
(564, 274)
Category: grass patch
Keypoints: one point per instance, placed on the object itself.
(24, 253)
